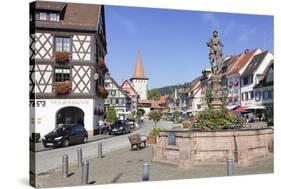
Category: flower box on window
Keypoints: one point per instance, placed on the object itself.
(102, 92)
(62, 57)
(62, 87)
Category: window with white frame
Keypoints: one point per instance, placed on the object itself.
(62, 74)
(48, 16)
(62, 44)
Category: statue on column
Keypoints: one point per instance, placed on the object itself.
(215, 54)
(215, 57)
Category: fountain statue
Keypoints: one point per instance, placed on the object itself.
(215, 57)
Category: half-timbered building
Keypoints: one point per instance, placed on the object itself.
(117, 98)
(67, 68)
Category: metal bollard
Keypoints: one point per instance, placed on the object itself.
(229, 167)
(79, 157)
(99, 150)
(65, 166)
(145, 176)
(85, 173)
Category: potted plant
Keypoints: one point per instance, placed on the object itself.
(62, 57)
(62, 87)
(152, 137)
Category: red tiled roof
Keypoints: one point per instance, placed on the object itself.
(155, 104)
(241, 62)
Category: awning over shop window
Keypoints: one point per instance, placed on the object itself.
(255, 107)
(231, 107)
(240, 110)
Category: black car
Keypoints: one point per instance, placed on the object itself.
(120, 127)
(66, 134)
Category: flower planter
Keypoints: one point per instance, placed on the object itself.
(62, 88)
(62, 57)
(151, 139)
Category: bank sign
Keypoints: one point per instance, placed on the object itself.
(42, 103)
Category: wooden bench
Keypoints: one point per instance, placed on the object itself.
(136, 140)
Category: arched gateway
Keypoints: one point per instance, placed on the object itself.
(69, 115)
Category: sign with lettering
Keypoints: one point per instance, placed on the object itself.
(38, 103)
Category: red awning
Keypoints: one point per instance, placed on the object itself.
(239, 110)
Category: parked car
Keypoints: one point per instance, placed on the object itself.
(66, 134)
(120, 127)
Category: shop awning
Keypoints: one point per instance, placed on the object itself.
(240, 109)
(231, 107)
(255, 107)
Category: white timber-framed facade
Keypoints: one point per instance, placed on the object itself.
(67, 50)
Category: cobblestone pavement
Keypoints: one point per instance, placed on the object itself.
(124, 165)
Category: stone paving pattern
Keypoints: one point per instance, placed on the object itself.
(124, 166)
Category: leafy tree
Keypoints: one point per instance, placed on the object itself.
(140, 113)
(155, 116)
(154, 94)
(111, 115)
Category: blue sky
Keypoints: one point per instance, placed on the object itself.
(172, 43)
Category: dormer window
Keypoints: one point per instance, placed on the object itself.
(48, 16)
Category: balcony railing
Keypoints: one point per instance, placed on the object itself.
(62, 88)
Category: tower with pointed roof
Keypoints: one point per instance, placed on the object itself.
(138, 80)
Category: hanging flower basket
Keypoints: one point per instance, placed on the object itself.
(102, 92)
(62, 87)
(62, 57)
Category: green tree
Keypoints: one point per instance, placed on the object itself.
(111, 115)
(154, 94)
(155, 116)
(140, 113)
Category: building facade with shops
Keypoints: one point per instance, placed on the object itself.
(67, 50)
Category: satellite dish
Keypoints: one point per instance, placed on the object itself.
(96, 76)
